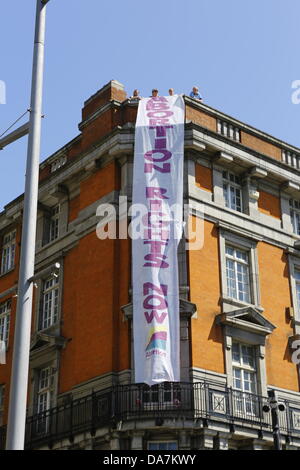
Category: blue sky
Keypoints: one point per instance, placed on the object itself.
(243, 56)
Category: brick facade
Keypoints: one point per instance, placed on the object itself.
(90, 347)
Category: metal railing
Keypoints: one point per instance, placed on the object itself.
(201, 400)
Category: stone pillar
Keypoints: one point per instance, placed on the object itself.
(115, 442)
(221, 441)
(218, 186)
(286, 221)
(184, 441)
(207, 439)
(250, 195)
(137, 441)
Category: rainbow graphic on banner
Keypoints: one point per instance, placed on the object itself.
(158, 339)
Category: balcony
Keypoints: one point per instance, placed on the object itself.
(207, 403)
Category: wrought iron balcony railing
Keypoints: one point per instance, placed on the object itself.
(202, 400)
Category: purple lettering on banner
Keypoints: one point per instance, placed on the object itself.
(156, 261)
(156, 323)
(156, 232)
(151, 298)
(161, 289)
(158, 122)
(166, 155)
(150, 167)
(156, 192)
(157, 114)
(161, 131)
(160, 143)
(156, 223)
(157, 106)
(156, 246)
(155, 206)
(154, 315)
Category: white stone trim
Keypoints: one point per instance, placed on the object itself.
(246, 244)
(253, 340)
(244, 224)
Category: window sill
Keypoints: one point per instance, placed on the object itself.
(52, 329)
(46, 246)
(240, 304)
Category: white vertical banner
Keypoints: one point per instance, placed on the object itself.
(158, 207)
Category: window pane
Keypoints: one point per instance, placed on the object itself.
(232, 191)
(5, 321)
(229, 250)
(236, 353)
(50, 303)
(244, 376)
(162, 445)
(295, 215)
(231, 282)
(237, 382)
(248, 356)
(242, 280)
(225, 194)
(237, 274)
(241, 255)
(8, 252)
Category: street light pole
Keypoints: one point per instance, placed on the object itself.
(275, 420)
(274, 407)
(20, 365)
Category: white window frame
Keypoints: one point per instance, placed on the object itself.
(244, 264)
(295, 215)
(44, 389)
(247, 326)
(232, 184)
(160, 442)
(45, 386)
(5, 314)
(232, 334)
(8, 252)
(243, 401)
(54, 223)
(245, 244)
(49, 312)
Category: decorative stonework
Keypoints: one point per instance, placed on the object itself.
(218, 402)
(296, 419)
(58, 163)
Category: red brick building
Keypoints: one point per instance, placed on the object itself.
(239, 293)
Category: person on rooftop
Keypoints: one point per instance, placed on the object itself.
(195, 94)
(136, 95)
